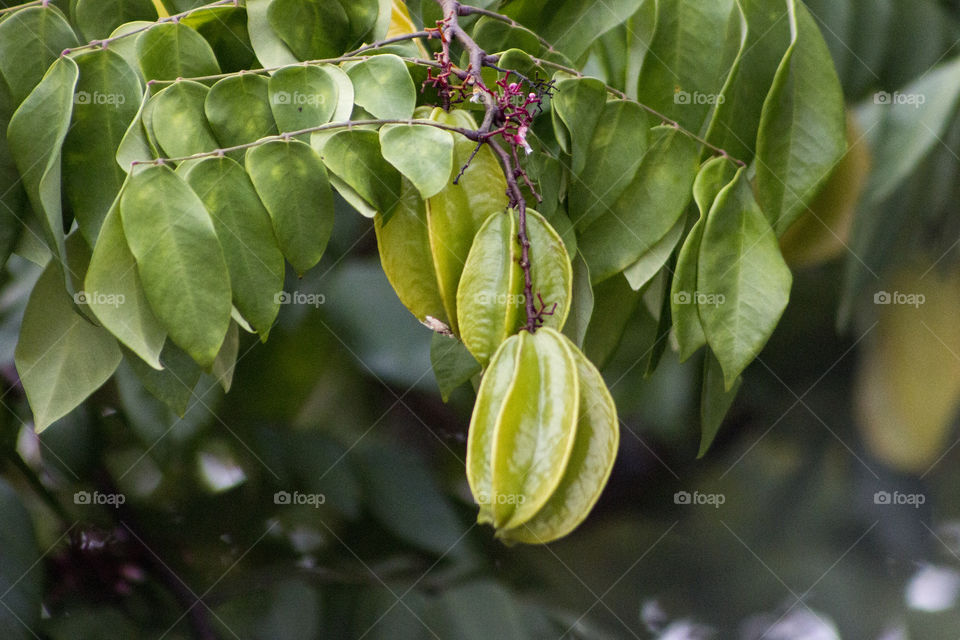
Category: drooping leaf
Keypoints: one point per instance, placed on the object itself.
(302, 97)
(134, 144)
(423, 154)
(97, 19)
(687, 329)
(743, 283)
(802, 129)
(30, 40)
(355, 157)
(312, 30)
(246, 235)
(238, 109)
(383, 87)
(173, 50)
(643, 270)
(452, 364)
(35, 135)
(178, 120)
(21, 580)
(226, 361)
(715, 401)
(615, 150)
(115, 293)
(61, 358)
(581, 308)
(292, 184)
(105, 103)
(14, 206)
(225, 28)
(270, 48)
(174, 384)
(648, 208)
(179, 259)
(577, 107)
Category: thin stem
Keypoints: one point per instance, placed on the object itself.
(307, 63)
(666, 120)
(174, 18)
(468, 133)
(477, 11)
(401, 38)
(37, 485)
(25, 5)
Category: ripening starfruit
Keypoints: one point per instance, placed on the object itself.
(424, 243)
(543, 438)
(490, 299)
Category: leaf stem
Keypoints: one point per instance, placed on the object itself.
(465, 10)
(468, 133)
(174, 18)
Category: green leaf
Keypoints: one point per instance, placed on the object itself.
(581, 307)
(238, 109)
(246, 235)
(97, 19)
(179, 260)
(619, 141)
(571, 25)
(115, 295)
(648, 208)
(126, 46)
(225, 28)
(179, 121)
(135, 145)
(802, 130)
(715, 401)
(21, 579)
(423, 154)
(292, 184)
(452, 364)
(383, 87)
(578, 105)
(713, 176)
(643, 270)
(345, 93)
(174, 384)
(30, 40)
(734, 123)
(14, 206)
(223, 367)
(35, 135)
(693, 48)
(172, 50)
(614, 304)
(742, 280)
(355, 157)
(270, 49)
(61, 358)
(495, 35)
(106, 101)
(302, 97)
(312, 30)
